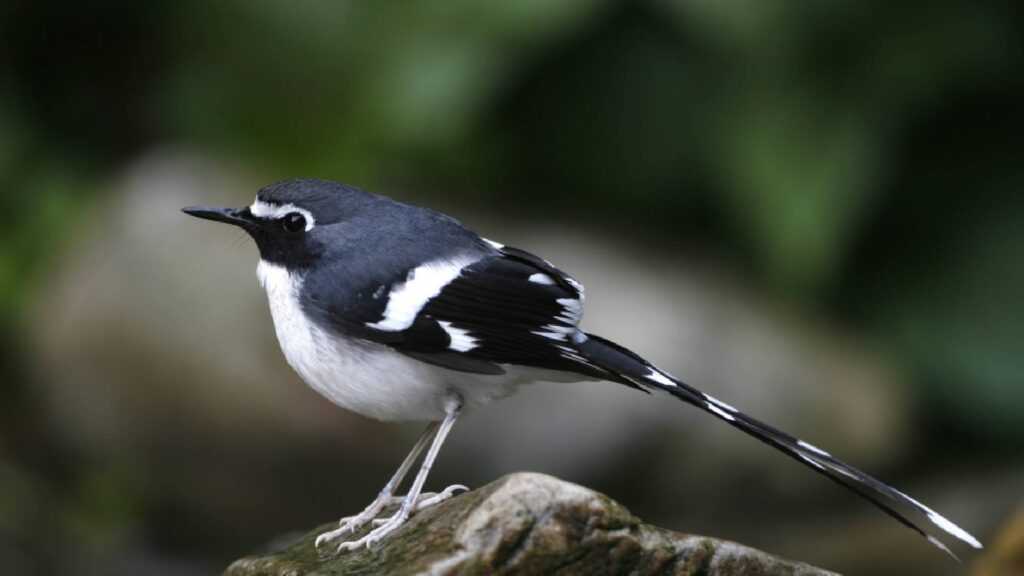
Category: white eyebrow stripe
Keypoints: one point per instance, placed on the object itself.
(266, 210)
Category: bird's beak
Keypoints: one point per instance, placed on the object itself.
(238, 216)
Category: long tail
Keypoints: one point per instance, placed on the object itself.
(635, 371)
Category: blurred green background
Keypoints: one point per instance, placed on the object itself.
(821, 204)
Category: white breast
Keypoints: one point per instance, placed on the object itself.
(370, 378)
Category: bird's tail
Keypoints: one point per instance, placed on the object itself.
(635, 371)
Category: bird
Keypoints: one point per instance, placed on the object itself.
(402, 313)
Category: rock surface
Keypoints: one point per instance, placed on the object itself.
(526, 523)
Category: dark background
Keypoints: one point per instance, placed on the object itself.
(814, 211)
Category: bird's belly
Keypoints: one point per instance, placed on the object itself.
(375, 381)
(369, 379)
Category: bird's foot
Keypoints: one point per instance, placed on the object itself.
(349, 524)
(384, 527)
(428, 499)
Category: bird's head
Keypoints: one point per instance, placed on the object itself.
(293, 222)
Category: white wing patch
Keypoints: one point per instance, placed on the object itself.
(579, 288)
(266, 210)
(555, 332)
(461, 340)
(421, 285)
(541, 278)
(572, 310)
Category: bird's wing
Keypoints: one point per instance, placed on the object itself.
(507, 307)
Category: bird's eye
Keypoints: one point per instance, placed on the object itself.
(294, 222)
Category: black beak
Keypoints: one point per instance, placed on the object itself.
(237, 216)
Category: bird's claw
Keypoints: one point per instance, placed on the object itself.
(383, 526)
(386, 527)
(426, 500)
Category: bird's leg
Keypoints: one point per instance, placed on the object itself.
(411, 502)
(350, 524)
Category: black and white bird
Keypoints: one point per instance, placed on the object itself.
(401, 313)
